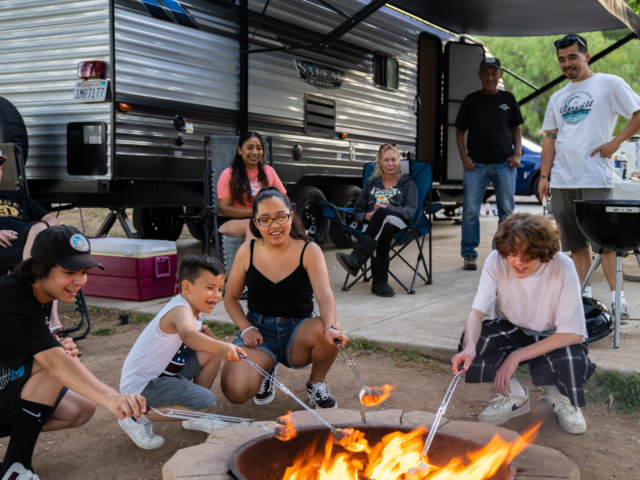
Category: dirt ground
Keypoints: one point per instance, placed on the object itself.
(101, 450)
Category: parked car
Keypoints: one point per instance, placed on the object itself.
(529, 169)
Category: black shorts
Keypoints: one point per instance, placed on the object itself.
(10, 395)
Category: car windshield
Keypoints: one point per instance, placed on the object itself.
(530, 145)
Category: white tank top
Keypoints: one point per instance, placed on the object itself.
(155, 353)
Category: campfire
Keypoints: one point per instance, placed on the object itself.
(376, 453)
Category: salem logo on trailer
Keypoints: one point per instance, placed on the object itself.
(318, 75)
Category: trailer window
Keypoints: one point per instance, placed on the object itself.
(385, 72)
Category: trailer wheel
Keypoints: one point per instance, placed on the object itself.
(344, 196)
(195, 226)
(12, 128)
(158, 223)
(310, 213)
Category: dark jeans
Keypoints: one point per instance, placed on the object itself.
(383, 226)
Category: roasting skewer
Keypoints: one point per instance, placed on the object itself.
(190, 415)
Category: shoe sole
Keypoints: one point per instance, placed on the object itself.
(470, 268)
(570, 427)
(346, 267)
(186, 426)
(266, 400)
(495, 420)
(144, 447)
(379, 295)
(318, 407)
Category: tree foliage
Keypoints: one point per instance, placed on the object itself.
(534, 59)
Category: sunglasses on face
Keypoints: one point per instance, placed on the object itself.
(568, 41)
(280, 220)
(387, 145)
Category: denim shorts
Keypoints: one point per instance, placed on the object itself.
(277, 336)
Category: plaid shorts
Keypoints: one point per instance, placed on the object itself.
(568, 368)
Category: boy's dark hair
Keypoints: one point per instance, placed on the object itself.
(35, 268)
(535, 236)
(192, 265)
(570, 39)
(297, 229)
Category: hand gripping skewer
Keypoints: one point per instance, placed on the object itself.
(440, 413)
(286, 391)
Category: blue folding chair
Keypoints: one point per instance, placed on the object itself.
(418, 231)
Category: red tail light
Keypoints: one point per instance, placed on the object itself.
(92, 69)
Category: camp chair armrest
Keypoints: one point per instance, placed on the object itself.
(431, 208)
(329, 210)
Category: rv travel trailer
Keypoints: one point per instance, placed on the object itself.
(118, 96)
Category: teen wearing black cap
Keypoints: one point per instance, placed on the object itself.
(492, 118)
(35, 367)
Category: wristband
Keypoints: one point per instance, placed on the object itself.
(329, 328)
(246, 330)
(543, 176)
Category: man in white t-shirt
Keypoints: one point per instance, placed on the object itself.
(539, 320)
(579, 125)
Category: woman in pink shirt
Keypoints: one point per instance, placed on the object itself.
(239, 184)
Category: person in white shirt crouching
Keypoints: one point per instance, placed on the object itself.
(539, 320)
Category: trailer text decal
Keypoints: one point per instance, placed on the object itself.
(318, 75)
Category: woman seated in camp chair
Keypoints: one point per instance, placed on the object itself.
(239, 184)
(386, 205)
(21, 219)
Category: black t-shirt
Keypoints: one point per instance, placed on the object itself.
(489, 119)
(24, 323)
(17, 210)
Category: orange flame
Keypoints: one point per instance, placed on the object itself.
(397, 457)
(285, 430)
(373, 396)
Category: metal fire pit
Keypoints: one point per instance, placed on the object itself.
(267, 458)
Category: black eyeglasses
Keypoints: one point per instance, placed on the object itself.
(568, 41)
(280, 220)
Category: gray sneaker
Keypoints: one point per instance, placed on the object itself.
(470, 263)
(624, 315)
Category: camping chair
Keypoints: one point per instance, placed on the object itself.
(223, 150)
(14, 178)
(418, 231)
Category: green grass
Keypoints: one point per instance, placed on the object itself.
(624, 388)
(141, 318)
(408, 357)
(222, 329)
(94, 310)
(102, 331)
(361, 346)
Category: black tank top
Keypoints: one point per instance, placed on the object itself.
(291, 297)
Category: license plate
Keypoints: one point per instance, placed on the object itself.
(90, 91)
(622, 209)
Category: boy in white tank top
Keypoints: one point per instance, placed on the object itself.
(174, 349)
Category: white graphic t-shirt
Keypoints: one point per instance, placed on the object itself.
(585, 114)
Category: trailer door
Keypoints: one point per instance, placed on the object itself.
(460, 79)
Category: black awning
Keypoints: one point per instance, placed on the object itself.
(523, 18)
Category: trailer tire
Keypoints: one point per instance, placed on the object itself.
(158, 223)
(345, 196)
(12, 127)
(310, 212)
(195, 227)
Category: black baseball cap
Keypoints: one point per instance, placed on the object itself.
(2, 158)
(67, 246)
(490, 62)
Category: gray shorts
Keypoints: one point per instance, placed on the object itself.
(571, 236)
(180, 390)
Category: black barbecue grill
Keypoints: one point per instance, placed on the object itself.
(612, 225)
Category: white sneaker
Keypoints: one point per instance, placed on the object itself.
(18, 472)
(502, 409)
(624, 316)
(202, 425)
(141, 432)
(570, 418)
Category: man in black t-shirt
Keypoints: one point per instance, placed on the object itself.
(35, 367)
(493, 120)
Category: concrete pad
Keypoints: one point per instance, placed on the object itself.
(199, 461)
(335, 416)
(415, 419)
(383, 417)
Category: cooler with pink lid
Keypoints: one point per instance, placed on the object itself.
(134, 269)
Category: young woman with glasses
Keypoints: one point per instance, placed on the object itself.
(239, 184)
(386, 205)
(282, 269)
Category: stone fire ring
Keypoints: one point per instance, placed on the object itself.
(209, 461)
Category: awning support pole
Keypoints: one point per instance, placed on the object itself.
(336, 33)
(594, 59)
